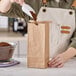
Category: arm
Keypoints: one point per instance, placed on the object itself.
(60, 59)
(15, 9)
(71, 51)
(11, 9)
(5, 5)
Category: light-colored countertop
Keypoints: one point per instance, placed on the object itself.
(21, 70)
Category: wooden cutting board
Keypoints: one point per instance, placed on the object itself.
(38, 45)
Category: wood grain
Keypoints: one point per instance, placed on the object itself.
(38, 45)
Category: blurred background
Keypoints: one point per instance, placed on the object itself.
(14, 30)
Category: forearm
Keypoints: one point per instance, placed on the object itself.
(69, 53)
(60, 59)
(5, 5)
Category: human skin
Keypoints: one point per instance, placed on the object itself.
(59, 60)
(5, 5)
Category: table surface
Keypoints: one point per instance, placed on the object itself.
(69, 69)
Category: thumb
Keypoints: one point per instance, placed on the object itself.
(12, 1)
(21, 2)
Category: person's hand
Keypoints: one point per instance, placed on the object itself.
(18, 1)
(5, 5)
(57, 62)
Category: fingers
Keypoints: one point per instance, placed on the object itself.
(56, 65)
(12, 1)
(61, 65)
(44, 1)
(56, 62)
(19, 1)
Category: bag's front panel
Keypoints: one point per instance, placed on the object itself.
(61, 28)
